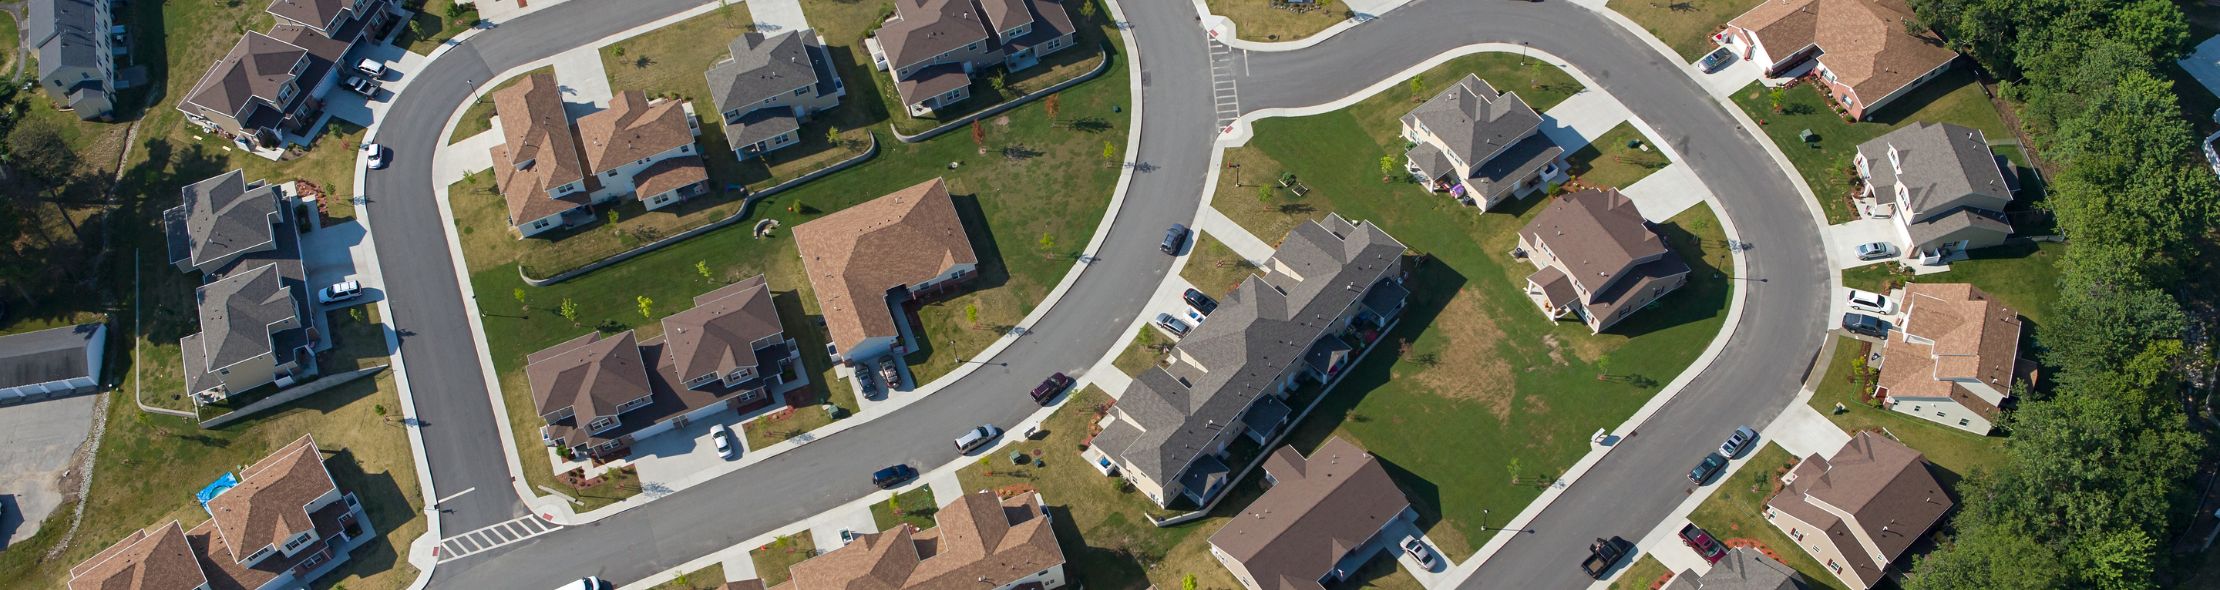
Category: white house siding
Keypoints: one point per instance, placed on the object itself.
(617, 182)
(541, 225)
(1944, 411)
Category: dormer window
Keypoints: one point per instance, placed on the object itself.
(300, 66)
(1904, 199)
(601, 424)
(1865, 169)
(285, 93)
(1896, 163)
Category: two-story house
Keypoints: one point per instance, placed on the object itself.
(1317, 522)
(1596, 259)
(282, 522)
(267, 92)
(979, 542)
(1953, 358)
(1857, 512)
(77, 66)
(934, 47)
(601, 394)
(254, 308)
(539, 170)
(868, 261)
(1479, 145)
(1866, 52)
(1331, 284)
(644, 149)
(769, 86)
(1943, 187)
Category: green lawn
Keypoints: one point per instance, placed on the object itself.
(1214, 268)
(1082, 57)
(915, 508)
(1684, 25)
(777, 426)
(1826, 164)
(2022, 274)
(1486, 374)
(1608, 161)
(1141, 354)
(1736, 510)
(13, 51)
(1643, 575)
(772, 559)
(1099, 520)
(1956, 453)
(1274, 20)
(432, 25)
(708, 578)
(478, 117)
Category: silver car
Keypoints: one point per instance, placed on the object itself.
(1875, 251)
(1738, 442)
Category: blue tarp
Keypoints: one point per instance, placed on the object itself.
(216, 488)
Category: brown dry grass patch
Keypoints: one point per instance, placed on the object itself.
(1470, 366)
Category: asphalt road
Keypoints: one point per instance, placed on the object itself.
(1765, 359)
(443, 372)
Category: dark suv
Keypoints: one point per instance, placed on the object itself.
(892, 476)
(1173, 239)
(1864, 325)
(1047, 390)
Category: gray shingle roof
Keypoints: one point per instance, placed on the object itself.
(1503, 172)
(762, 67)
(1925, 232)
(1260, 331)
(237, 310)
(1742, 569)
(759, 125)
(46, 356)
(221, 217)
(65, 32)
(923, 29)
(1474, 121)
(255, 68)
(1945, 166)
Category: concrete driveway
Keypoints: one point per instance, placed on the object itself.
(337, 253)
(42, 436)
(824, 529)
(400, 65)
(683, 452)
(1843, 240)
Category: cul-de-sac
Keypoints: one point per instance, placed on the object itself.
(1109, 294)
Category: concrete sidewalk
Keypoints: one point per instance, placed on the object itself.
(1227, 232)
(1668, 192)
(464, 157)
(1577, 121)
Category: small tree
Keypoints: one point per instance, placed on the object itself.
(1051, 104)
(999, 83)
(1776, 95)
(613, 218)
(832, 136)
(1387, 168)
(1048, 242)
(971, 312)
(1109, 152)
(1418, 87)
(1264, 193)
(1514, 470)
(701, 267)
(569, 310)
(1087, 9)
(518, 293)
(1187, 583)
(647, 307)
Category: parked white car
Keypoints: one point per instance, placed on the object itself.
(340, 291)
(725, 446)
(1870, 302)
(372, 68)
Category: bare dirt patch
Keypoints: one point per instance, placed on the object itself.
(1556, 349)
(1468, 365)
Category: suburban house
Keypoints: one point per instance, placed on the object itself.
(980, 542)
(769, 86)
(1479, 145)
(1865, 51)
(77, 64)
(256, 321)
(1596, 259)
(1857, 512)
(1329, 291)
(934, 47)
(1953, 358)
(1942, 185)
(643, 148)
(1315, 520)
(600, 394)
(1742, 569)
(280, 523)
(870, 263)
(51, 363)
(268, 92)
(539, 170)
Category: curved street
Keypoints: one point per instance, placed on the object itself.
(1641, 481)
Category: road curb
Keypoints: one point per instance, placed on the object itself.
(1224, 31)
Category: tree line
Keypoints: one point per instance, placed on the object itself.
(2096, 479)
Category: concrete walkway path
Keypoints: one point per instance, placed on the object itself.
(1227, 232)
(1577, 121)
(947, 488)
(584, 83)
(778, 16)
(1802, 431)
(461, 158)
(1667, 192)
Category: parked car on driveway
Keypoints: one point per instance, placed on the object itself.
(1199, 301)
(1048, 389)
(1171, 324)
(1870, 302)
(372, 68)
(725, 445)
(1864, 325)
(362, 86)
(890, 373)
(977, 437)
(893, 475)
(1173, 239)
(1706, 547)
(1875, 251)
(1738, 442)
(1419, 553)
(340, 291)
(1719, 59)
(1710, 466)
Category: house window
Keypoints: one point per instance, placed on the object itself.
(799, 91)
(1834, 566)
(1939, 414)
(296, 543)
(1797, 533)
(1964, 422)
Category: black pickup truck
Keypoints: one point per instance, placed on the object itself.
(1603, 554)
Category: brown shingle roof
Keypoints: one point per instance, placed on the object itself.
(980, 542)
(314, 12)
(669, 174)
(631, 129)
(1595, 234)
(1863, 41)
(717, 335)
(922, 29)
(256, 67)
(1885, 488)
(590, 374)
(534, 130)
(270, 502)
(1318, 510)
(152, 559)
(1975, 337)
(854, 256)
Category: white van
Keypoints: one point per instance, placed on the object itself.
(977, 437)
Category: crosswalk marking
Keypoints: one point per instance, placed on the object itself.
(496, 535)
(1225, 90)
